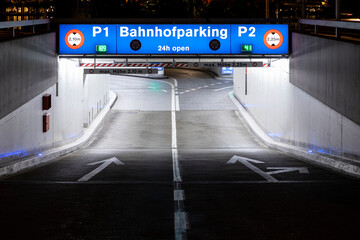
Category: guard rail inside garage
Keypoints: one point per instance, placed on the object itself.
(13, 29)
(344, 30)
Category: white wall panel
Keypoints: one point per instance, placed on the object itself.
(69, 102)
(335, 134)
(96, 96)
(301, 116)
(288, 114)
(21, 130)
(350, 136)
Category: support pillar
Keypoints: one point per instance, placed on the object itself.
(338, 10)
(267, 9)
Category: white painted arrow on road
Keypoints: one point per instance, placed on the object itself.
(302, 170)
(235, 159)
(267, 175)
(104, 164)
(246, 162)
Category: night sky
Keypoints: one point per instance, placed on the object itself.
(186, 8)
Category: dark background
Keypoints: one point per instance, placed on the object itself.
(12, 10)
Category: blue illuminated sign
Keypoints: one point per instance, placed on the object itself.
(174, 39)
(82, 39)
(227, 70)
(265, 39)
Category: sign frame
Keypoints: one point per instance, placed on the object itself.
(112, 31)
(119, 71)
(226, 64)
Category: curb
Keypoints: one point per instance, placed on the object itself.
(303, 154)
(51, 154)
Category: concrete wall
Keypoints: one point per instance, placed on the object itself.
(21, 130)
(96, 91)
(328, 70)
(28, 66)
(69, 101)
(288, 114)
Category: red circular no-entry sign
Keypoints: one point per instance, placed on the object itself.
(273, 39)
(74, 39)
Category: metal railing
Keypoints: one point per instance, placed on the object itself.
(337, 26)
(32, 23)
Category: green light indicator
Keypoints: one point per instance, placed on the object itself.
(101, 48)
(246, 48)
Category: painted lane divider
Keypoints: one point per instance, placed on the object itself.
(179, 195)
(267, 175)
(219, 89)
(105, 163)
(181, 223)
(205, 86)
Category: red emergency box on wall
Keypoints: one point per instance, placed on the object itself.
(46, 122)
(46, 101)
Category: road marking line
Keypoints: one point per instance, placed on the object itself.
(206, 86)
(180, 216)
(179, 195)
(174, 107)
(180, 220)
(173, 130)
(177, 101)
(181, 224)
(176, 170)
(193, 89)
(219, 89)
